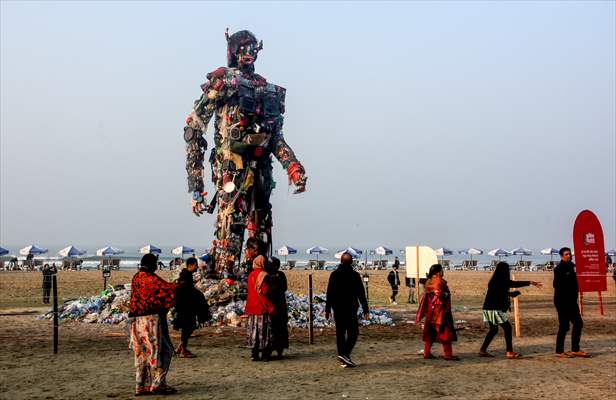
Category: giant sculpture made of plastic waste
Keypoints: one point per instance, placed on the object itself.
(248, 122)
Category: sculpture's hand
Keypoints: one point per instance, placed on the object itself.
(198, 203)
(297, 176)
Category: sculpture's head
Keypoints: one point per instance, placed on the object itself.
(242, 49)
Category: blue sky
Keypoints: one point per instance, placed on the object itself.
(451, 124)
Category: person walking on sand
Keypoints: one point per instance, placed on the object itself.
(259, 309)
(47, 278)
(566, 302)
(278, 296)
(435, 306)
(345, 292)
(394, 281)
(191, 308)
(496, 305)
(150, 300)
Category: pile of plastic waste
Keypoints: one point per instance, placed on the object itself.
(226, 298)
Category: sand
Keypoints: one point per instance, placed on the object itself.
(94, 360)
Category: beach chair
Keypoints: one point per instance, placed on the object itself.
(493, 264)
(291, 264)
(311, 264)
(1, 265)
(321, 264)
(446, 264)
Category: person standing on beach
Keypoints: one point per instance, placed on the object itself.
(394, 281)
(497, 304)
(278, 296)
(435, 306)
(47, 278)
(345, 291)
(191, 308)
(150, 299)
(259, 309)
(566, 302)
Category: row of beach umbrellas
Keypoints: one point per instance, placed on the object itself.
(72, 251)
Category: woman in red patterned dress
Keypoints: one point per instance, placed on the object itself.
(150, 300)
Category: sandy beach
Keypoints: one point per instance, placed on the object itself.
(94, 360)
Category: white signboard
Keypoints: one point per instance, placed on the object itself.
(427, 257)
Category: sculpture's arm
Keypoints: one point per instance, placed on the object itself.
(283, 152)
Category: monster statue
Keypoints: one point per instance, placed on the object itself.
(248, 130)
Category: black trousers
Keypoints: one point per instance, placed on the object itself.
(493, 331)
(568, 314)
(394, 293)
(347, 331)
(46, 292)
(186, 332)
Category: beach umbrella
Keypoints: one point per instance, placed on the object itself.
(521, 251)
(383, 251)
(353, 252)
(285, 251)
(108, 251)
(550, 251)
(181, 250)
(3, 251)
(611, 253)
(317, 250)
(498, 252)
(471, 252)
(32, 249)
(150, 248)
(71, 251)
(442, 252)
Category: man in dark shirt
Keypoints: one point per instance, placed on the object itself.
(394, 281)
(345, 291)
(566, 302)
(47, 279)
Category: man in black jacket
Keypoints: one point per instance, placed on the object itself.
(566, 302)
(394, 281)
(345, 291)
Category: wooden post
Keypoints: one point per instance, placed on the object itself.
(310, 316)
(516, 313)
(600, 305)
(54, 285)
(417, 267)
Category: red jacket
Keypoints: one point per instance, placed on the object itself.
(257, 302)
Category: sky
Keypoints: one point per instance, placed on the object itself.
(455, 124)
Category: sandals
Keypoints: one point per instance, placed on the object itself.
(451, 358)
(485, 354)
(581, 354)
(164, 390)
(142, 392)
(513, 355)
(563, 355)
(430, 356)
(186, 354)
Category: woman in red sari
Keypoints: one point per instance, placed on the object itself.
(259, 309)
(150, 299)
(435, 306)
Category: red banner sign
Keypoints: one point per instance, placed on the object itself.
(589, 253)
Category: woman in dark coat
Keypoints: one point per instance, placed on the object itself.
(278, 296)
(496, 305)
(191, 307)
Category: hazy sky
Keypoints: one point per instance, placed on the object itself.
(450, 124)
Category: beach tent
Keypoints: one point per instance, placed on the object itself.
(180, 250)
(71, 251)
(521, 251)
(498, 252)
(3, 251)
(285, 251)
(32, 249)
(550, 251)
(150, 248)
